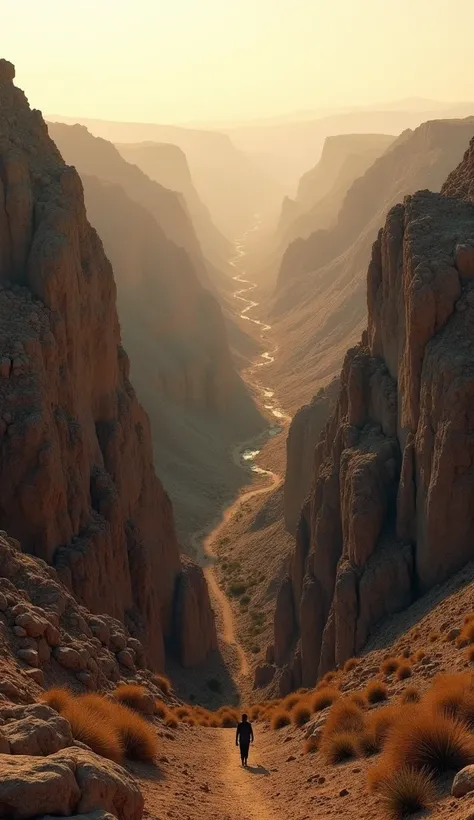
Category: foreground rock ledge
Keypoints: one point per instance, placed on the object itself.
(72, 781)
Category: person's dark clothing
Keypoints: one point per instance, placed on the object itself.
(243, 737)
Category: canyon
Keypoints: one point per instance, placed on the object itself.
(272, 496)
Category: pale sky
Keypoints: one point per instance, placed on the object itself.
(184, 60)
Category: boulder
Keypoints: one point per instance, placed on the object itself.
(72, 781)
(36, 736)
(33, 786)
(463, 782)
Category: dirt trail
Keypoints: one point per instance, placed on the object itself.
(243, 455)
(201, 777)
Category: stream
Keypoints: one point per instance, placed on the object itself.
(248, 454)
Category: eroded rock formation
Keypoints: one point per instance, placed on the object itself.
(303, 436)
(391, 510)
(78, 487)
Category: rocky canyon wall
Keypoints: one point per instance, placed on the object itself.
(391, 509)
(77, 482)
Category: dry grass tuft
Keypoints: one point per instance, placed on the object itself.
(161, 709)
(340, 746)
(229, 719)
(280, 718)
(344, 716)
(170, 721)
(137, 737)
(93, 727)
(426, 740)
(359, 699)
(301, 713)
(329, 677)
(132, 695)
(57, 698)
(420, 655)
(389, 666)
(407, 791)
(376, 691)
(290, 701)
(452, 695)
(163, 683)
(406, 652)
(404, 671)
(182, 712)
(410, 695)
(324, 698)
(350, 664)
(470, 654)
(378, 726)
(434, 636)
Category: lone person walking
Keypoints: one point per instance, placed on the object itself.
(243, 737)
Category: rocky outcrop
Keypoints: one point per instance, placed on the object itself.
(195, 622)
(390, 512)
(303, 435)
(78, 487)
(71, 782)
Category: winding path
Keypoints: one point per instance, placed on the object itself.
(243, 455)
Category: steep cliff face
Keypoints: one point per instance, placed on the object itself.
(93, 156)
(229, 182)
(181, 364)
(320, 305)
(167, 164)
(321, 190)
(303, 436)
(391, 510)
(78, 487)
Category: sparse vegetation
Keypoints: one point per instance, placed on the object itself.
(359, 699)
(280, 718)
(340, 746)
(137, 737)
(300, 714)
(389, 666)
(94, 728)
(434, 636)
(407, 791)
(344, 716)
(134, 696)
(57, 698)
(163, 683)
(376, 691)
(324, 698)
(350, 664)
(410, 695)
(431, 741)
(404, 671)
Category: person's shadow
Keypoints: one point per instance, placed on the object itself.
(258, 770)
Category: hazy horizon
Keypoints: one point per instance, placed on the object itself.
(213, 61)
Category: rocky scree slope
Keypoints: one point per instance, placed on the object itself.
(320, 302)
(78, 487)
(390, 512)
